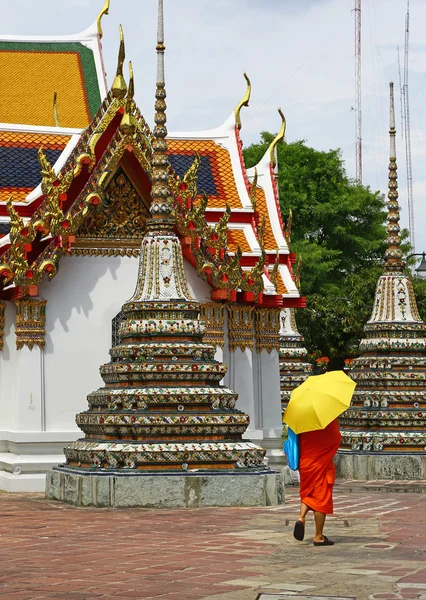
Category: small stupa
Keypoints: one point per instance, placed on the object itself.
(163, 432)
(294, 366)
(383, 434)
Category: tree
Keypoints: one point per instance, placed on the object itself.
(339, 230)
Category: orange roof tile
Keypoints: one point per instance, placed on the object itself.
(219, 164)
(19, 164)
(16, 139)
(282, 289)
(262, 208)
(34, 71)
(237, 237)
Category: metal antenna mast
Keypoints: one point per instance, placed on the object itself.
(407, 132)
(401, 95)
(358, 114)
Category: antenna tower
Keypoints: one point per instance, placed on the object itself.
(401, 94)
(358, 114)
(407, 131)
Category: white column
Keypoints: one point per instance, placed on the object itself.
(240, 347)
(266, 383)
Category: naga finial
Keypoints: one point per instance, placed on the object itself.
(55, 109)
(287, 231)
(190, 177)
(16, 222)
(119, 86)
(104, 11)
(253, 190)
(261, 233)
(244, 102)
(278, 138)
(128, 122)
(273, 276)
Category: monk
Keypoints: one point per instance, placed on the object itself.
(317, 475)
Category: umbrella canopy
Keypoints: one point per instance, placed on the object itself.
(318, 401)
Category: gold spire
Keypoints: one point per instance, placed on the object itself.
(253, 189)
(162, 209)
(128, 122)
(119, 86)
(104, 11)
(278, 138)
(55, 109)
(244, 102)
(393, 255)
(287, 231)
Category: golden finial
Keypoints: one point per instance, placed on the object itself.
(278, 138)
(119, 86)
(47, 171)
(128, 122)
(131, 90)
(190, 177)
(244, 102)
(393, 255)
(55, 109)
(221, 228)
(16, 222)
(261, 233)
(298, 272)
(273, 276)
(104, 11)
(287, 232)
(253, 190)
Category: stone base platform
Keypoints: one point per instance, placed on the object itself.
(165, 490)
(369, 466)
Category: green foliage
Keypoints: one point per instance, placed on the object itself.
(419, 287)
(339, 230)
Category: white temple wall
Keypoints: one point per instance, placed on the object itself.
(42, 391)
(82, 300)
(8, 372)
(240, 379)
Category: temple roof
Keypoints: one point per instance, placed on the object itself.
(84, 143)
(39, 68)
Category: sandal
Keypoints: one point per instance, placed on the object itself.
(299, 531)
(325, 542)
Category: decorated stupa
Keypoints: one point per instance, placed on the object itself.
(162, 431)
(294, 366)
(383, 433)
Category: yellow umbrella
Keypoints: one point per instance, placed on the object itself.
(318, 401)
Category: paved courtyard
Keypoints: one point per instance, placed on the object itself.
(49, 550)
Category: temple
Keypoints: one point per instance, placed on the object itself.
(76, 195)
(383, 435)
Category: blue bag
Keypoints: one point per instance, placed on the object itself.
(291, 449)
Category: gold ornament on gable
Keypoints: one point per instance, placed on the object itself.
(267, 329)
(30, 326)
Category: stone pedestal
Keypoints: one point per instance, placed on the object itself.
(164, 490)
(375, 465)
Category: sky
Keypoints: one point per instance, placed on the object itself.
(299, 55)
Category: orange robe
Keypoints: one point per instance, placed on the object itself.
(316, 467)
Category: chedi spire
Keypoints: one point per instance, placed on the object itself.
(162, 410)
(383, 435)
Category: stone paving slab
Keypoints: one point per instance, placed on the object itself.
(55, 551)
(287, 597)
